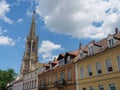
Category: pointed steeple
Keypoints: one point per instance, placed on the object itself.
(32, 33)
(30, 57)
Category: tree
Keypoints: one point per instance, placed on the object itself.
(6, 76)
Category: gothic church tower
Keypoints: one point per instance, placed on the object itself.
(30, 57)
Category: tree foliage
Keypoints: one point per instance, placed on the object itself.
(6, 76)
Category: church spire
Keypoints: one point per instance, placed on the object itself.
(32, 29)
(30, 57)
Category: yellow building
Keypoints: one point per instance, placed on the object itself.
(59, 74)
(98, 65)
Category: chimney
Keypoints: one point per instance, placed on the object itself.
(116, 30)
(80, 45)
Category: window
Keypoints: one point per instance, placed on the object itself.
(90, 50)
(100, 87)
(112, 87)
(61, 75)
(118, 61)
(81, 54)
(98, 68)
(111, 43)
(48, 79)
(91, 88)
(81, 72)
(83, 88)
(89, 70)
(69, 74)
(109, 66)
(61, 62)
(68, 59)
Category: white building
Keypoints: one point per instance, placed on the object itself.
(18, 84)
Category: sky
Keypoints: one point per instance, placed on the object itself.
(60, 24)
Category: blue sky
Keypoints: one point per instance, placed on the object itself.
(60, 24)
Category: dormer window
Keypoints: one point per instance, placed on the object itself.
(68, 59)
(81, 54)
(111, 42)
(61, 62)
(90, 50)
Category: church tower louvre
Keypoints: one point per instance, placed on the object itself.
(30, 57)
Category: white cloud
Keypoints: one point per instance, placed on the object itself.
(4, 8)
(76, 17)
(47, 48)
(4, 40)
(19, 20)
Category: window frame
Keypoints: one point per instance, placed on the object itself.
(100, 87)
(89, 67)
(110, 87)
(81, 72)
(97, 68)
(118, 62)
(91, 87)
(109, 69)
(69, 74)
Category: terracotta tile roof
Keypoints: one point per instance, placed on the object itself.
(103, 44)
(74, 53)
(46, 65)
(60, 56)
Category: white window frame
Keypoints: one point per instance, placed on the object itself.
(61, 75)
(89, 67)
(111, 42)
(108, 65)
(91, 88)
(118, 62)
(91, 50)
(110, 85)
(101, 86)
(69, 74)
(68, 59)
(98, 67)
(82, 72)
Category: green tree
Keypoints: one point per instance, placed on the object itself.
(6, 76)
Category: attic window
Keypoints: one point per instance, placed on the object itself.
(68, 59)
(90, 50)
(111, 43)
(81, 55)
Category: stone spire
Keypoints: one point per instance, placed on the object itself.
(32, 29)
(30, 57)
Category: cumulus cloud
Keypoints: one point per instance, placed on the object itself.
(19, 20)
(47, 48)
(4, 8)
(79, 18)
(4, 40)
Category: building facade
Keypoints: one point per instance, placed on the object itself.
(18, 84)
(98, 67)
(59, 74)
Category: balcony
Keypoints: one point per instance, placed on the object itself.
(60, 83)
(43, 87)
